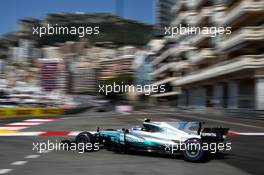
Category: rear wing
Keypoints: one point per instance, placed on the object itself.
(214, 134)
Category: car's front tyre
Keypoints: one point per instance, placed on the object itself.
(85, 138)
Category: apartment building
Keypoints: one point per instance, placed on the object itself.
(110, 68)
(53, 74)
(222, 72)
(83, 80)
(120, 64)
(163, 12)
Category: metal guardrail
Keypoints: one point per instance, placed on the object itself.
(239, 113)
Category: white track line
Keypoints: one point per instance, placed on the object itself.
(19, 163)
(22, 134)
(38, 120)
(33, 156)
(4, 171)
(13, 128)
(23, 123)
(252, 133)
(44, 151)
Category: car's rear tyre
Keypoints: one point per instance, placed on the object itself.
(85, 138)
(192, 151)
(65, 145)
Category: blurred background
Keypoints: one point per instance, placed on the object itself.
(223, 74)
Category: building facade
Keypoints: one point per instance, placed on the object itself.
(53, 74)
(164, 14)
(120, 64)
(222, 72)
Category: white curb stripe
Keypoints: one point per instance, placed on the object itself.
(33, 156)
(4, 171)
(252, 134)
(22, 134)
(44, 151)
(74, 133)
(19, 163)
(23, 123)
(13, 128)
(39, 120)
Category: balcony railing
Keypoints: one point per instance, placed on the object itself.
(205, 13)
(193, 4)
(243, 35)
(244, 7)
(166, 94)
(180, 18)
(164, 81)
(161, 69)
(191, 17)
(197, 57)
(179, 66)
(181, 48)
(179, 6)
(163, 56)
(218, 13)
(199, 38)
(174, 66)
(226, 67)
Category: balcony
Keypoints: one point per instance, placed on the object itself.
(218, 13)
(163, 56)
(245, 35)
(162, 69)
(180, 18)
(200, 39)
(194, 4)
(191, 17)
(203, 16)
(247, 11)
(178, 50)
(164, 81)
(227, 67)
(179, 6)
(179, 66)
(174, 66)
(166, 94)
(201, 56)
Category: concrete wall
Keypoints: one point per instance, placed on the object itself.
(218, 93)
(232, 94)
(197, 97)
(259, 95)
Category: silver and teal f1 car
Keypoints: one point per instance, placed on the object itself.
(190, 139)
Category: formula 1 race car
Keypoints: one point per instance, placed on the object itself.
(180, 137)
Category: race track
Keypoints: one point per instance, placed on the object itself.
(17, 156)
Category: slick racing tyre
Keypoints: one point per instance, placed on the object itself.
(192, 150)
(65, 145)
(85, 138)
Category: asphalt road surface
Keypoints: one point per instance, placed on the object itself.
(17, 155)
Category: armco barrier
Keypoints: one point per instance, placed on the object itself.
(17, 112)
